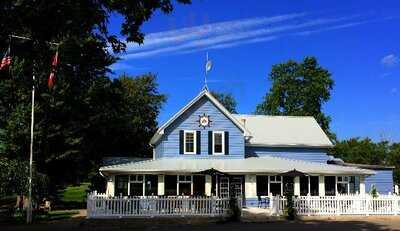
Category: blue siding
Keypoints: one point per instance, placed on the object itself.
(383, 181)
(307, 154)
(169, 144)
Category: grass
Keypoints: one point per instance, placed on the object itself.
(74, 193)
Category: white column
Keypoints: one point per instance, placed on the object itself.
(110, 186)
(297, 186)
(161, 185)
(362, 185)
(321, 188)
(250, 186)
(208, 185)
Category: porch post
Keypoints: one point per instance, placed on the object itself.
(297, 186)
(161, 185)
(110, 186)
(362, 185)
(250, 186)
(208, 185)
(321, 186)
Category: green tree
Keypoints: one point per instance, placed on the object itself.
(299, 89)
(227, 100)
(366, 151)
(69, 118)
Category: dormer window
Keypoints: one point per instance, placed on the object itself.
(190, 142)
(218, 143)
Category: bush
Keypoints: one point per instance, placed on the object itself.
(235, 210)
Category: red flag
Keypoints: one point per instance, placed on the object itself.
(6, 61)
(52, 77)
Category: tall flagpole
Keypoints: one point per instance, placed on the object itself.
(29, 212)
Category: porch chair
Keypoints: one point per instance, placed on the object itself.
(262, 201)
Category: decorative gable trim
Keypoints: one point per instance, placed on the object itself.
(160, 132)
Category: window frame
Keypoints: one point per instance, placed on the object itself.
(344, 180)
(185, 181)
(194, 142)
(134, 179)
(222, 133)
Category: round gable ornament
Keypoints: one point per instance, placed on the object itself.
(204, 121)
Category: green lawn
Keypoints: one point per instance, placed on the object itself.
(74, 193)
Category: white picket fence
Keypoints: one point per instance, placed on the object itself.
(102, 206)
(339, 205)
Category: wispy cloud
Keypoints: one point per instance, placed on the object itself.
(393, 91)
(236, 33)
(390, 60)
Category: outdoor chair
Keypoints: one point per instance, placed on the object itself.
(262, 201)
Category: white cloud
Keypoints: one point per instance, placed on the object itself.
(390, 60)
(235, 33)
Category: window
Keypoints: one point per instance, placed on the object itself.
(309, 185)
(170, 185)
(343, 184)
(304, 185)
(314, 185)
(190, 142)
(136, 185)
(262, 185)
(184, 185)
(218, 141)
(199, 182)
(151, 185)
(330, 186)
(275, 185)
(354, 184)
(121, 185)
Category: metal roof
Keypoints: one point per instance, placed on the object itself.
(272, 165)
(284, 131)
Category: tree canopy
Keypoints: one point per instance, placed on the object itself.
(227, 100)
(86, 115)
(299, 89)
(366, 151)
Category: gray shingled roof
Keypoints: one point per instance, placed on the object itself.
(273, 165)
(284, 131)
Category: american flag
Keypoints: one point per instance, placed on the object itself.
(52, 77)
(6, 61)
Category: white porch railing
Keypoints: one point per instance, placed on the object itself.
(339, 205)
(102, 206)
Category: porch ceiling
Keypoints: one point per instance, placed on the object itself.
(271, 165)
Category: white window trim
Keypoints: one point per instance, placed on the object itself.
(143, 181)
(223, 142)
(270, 181)
(343, 181)
(184, 181)
(194, 142)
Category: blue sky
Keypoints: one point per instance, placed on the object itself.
(357, 41)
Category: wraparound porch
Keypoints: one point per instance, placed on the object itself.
(250, 187)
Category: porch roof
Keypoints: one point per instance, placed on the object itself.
(268, 164)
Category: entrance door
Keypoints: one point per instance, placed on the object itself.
(224, 186)
(236, 186)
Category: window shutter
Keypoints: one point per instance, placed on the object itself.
(181, 142)
(226, 143)
(210, 142)
(198, 142)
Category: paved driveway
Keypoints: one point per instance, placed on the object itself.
(334, 224)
